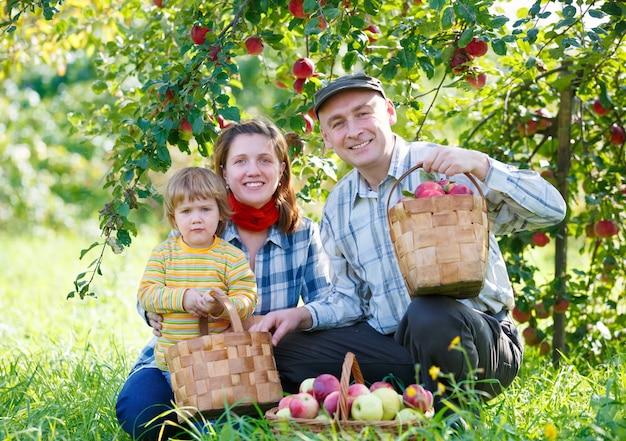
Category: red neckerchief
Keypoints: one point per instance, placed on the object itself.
(253, 219)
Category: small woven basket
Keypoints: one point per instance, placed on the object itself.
(441, 242)
(234, 370)
(340, 423)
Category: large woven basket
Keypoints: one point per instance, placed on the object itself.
(340, 423)
(441, 242)
(234, 370)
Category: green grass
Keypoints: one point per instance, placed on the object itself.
(64, 361)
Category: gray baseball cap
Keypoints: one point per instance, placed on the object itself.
(347, 82)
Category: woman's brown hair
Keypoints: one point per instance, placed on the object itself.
(285, 195)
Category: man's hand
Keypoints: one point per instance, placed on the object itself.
(454, 160)
(154, 320)
(280, 323)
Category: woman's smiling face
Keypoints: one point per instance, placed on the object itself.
(252, 170)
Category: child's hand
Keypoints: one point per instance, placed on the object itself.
(196, 302)
(215, 308)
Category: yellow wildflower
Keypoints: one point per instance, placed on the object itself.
(455, 341)
(434, 372)
(550, 432)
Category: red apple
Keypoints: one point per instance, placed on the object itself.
(459, 61)
(541, 311)
(540, 239)
(476, 81)
(303, 68)
(617, 135)
(599, 108)
(307, 385)
(298, 84)
(323, 385)
(308, 123)
(213, 53)
(296, 7)
(544, 119)
(427, 185)
(198, 34)
(185, 125)
(254, 45)
(158, 3)
(431, 193)
(477, 47)
(606, 228)
(378, 384)
(303, 405)
(284, 402)
(330, 402)
(417, 397)
(561, 305)
(527, 128)
(372, 32)
(323, 24)
(460, 189)
(520, 316)
(544, 348)
(531, 337)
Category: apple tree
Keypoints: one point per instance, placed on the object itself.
(539, 86)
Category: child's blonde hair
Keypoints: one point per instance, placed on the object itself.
(193, 183)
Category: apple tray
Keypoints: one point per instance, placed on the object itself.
(442, 242)
(340, 424)
(234, 370)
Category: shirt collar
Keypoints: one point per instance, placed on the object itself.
(231, 235)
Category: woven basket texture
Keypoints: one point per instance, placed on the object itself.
(340, 424)
(234, 370)
(441, 243)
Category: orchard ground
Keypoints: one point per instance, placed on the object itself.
(64, 361)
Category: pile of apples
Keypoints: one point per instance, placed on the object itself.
(318, 398)
(429, 189)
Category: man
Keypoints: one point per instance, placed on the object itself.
(369, 310)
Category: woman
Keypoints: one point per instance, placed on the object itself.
(283, 248)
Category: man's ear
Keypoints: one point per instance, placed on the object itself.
(325, 138)
(391, 111)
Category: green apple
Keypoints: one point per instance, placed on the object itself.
(392, 402)
(307, 385)
(408, 415)
(283, 413)
(367, 407)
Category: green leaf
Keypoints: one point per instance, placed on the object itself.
(86, 250)
(99, 87)
(466, 36)
(143, 124)
(447, 20)
(349, 60)
(531, 35)
(569, 11)
(567, 22)
(427, 66)
(372, 6)
(498, 46)
(499, 21)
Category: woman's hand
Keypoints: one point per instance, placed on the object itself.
(155, 321)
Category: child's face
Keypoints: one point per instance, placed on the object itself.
(197, 221)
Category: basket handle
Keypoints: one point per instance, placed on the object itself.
(419, 165)
(235, 320)
(350, 366)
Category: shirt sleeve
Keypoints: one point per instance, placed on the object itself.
(342, 307)
(153, 294)
(316, 272)
(520, 199)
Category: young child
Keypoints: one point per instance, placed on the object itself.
(183, 272)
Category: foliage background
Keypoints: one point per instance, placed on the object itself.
(89, 133)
